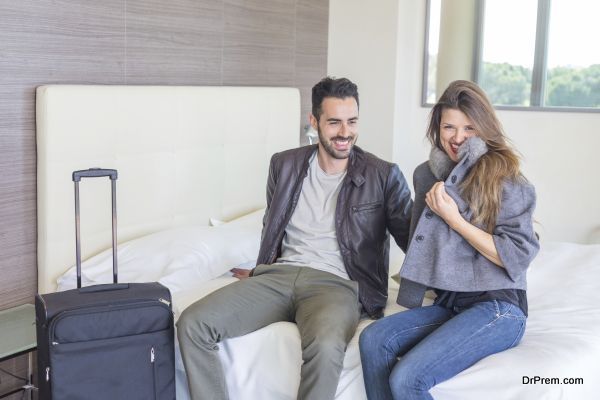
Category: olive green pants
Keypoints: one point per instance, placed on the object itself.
(324, 306)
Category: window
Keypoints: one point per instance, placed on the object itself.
(526, 54)
(506, 65)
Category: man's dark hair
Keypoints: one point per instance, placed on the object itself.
(331, 87)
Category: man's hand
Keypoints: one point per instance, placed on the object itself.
(240, 273)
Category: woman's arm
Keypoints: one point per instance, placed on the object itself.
(445, 207)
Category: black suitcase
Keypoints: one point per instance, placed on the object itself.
(106, 342)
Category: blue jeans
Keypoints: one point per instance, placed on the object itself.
(435, 344)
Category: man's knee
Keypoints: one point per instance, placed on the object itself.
(327, 348)
(195, 326)
(333, 324)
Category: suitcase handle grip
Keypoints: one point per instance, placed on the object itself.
(104, 287)
(94, 173)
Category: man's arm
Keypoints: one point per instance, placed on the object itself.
(271, 184)
(242, 273)
(398, 206)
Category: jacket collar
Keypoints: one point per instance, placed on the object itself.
(355, 166)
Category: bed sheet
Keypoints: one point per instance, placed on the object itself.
(265, 364)
(562, 340)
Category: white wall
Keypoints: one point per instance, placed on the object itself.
(379, 45)
(561, 158)
(362, 48)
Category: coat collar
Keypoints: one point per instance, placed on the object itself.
(469, 153)
(440, 164)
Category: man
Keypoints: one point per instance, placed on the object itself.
(323, 256)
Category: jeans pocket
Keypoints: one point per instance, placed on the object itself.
(513, 315)
(509, 310)
(520, 332)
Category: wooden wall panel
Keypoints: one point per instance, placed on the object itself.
(176, 42)
(48, 41)
(42, 42)
(17, 197)
(182, 42)
(258, 42)
(311, 36)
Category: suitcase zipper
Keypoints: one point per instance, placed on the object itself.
(47, 374)
(164, 301)
(154, 374)
(107, 307)
(109, 303)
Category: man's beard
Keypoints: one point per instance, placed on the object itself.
(333, 152)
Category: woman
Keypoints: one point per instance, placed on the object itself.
(472, 241)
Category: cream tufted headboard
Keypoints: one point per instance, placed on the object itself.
(183, 154)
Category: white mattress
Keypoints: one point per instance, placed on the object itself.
(562, 340)
(266, 363)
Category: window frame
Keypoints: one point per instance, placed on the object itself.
(539, 70)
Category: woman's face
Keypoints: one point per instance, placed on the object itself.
(455, 128)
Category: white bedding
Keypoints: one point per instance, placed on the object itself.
(266, 364)
(178, 258)
(562, 339)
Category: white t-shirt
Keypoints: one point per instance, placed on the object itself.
(310, 239)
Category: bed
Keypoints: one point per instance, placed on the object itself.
(192, 167)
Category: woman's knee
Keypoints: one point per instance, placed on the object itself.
(368, 339)
(406, 378)
(373, 336)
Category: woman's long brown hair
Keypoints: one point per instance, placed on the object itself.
(482, 187)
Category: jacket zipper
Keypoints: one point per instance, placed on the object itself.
(366, 207)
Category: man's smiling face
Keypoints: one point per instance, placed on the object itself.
(337, 126)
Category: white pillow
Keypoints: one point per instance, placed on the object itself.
(178, 258)
(252, 219)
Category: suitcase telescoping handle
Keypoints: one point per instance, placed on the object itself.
(96, 173)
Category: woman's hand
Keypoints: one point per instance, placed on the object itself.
(443, 205)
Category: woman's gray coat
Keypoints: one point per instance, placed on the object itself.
(438, 257)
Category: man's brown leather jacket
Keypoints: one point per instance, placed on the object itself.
(374, 199)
